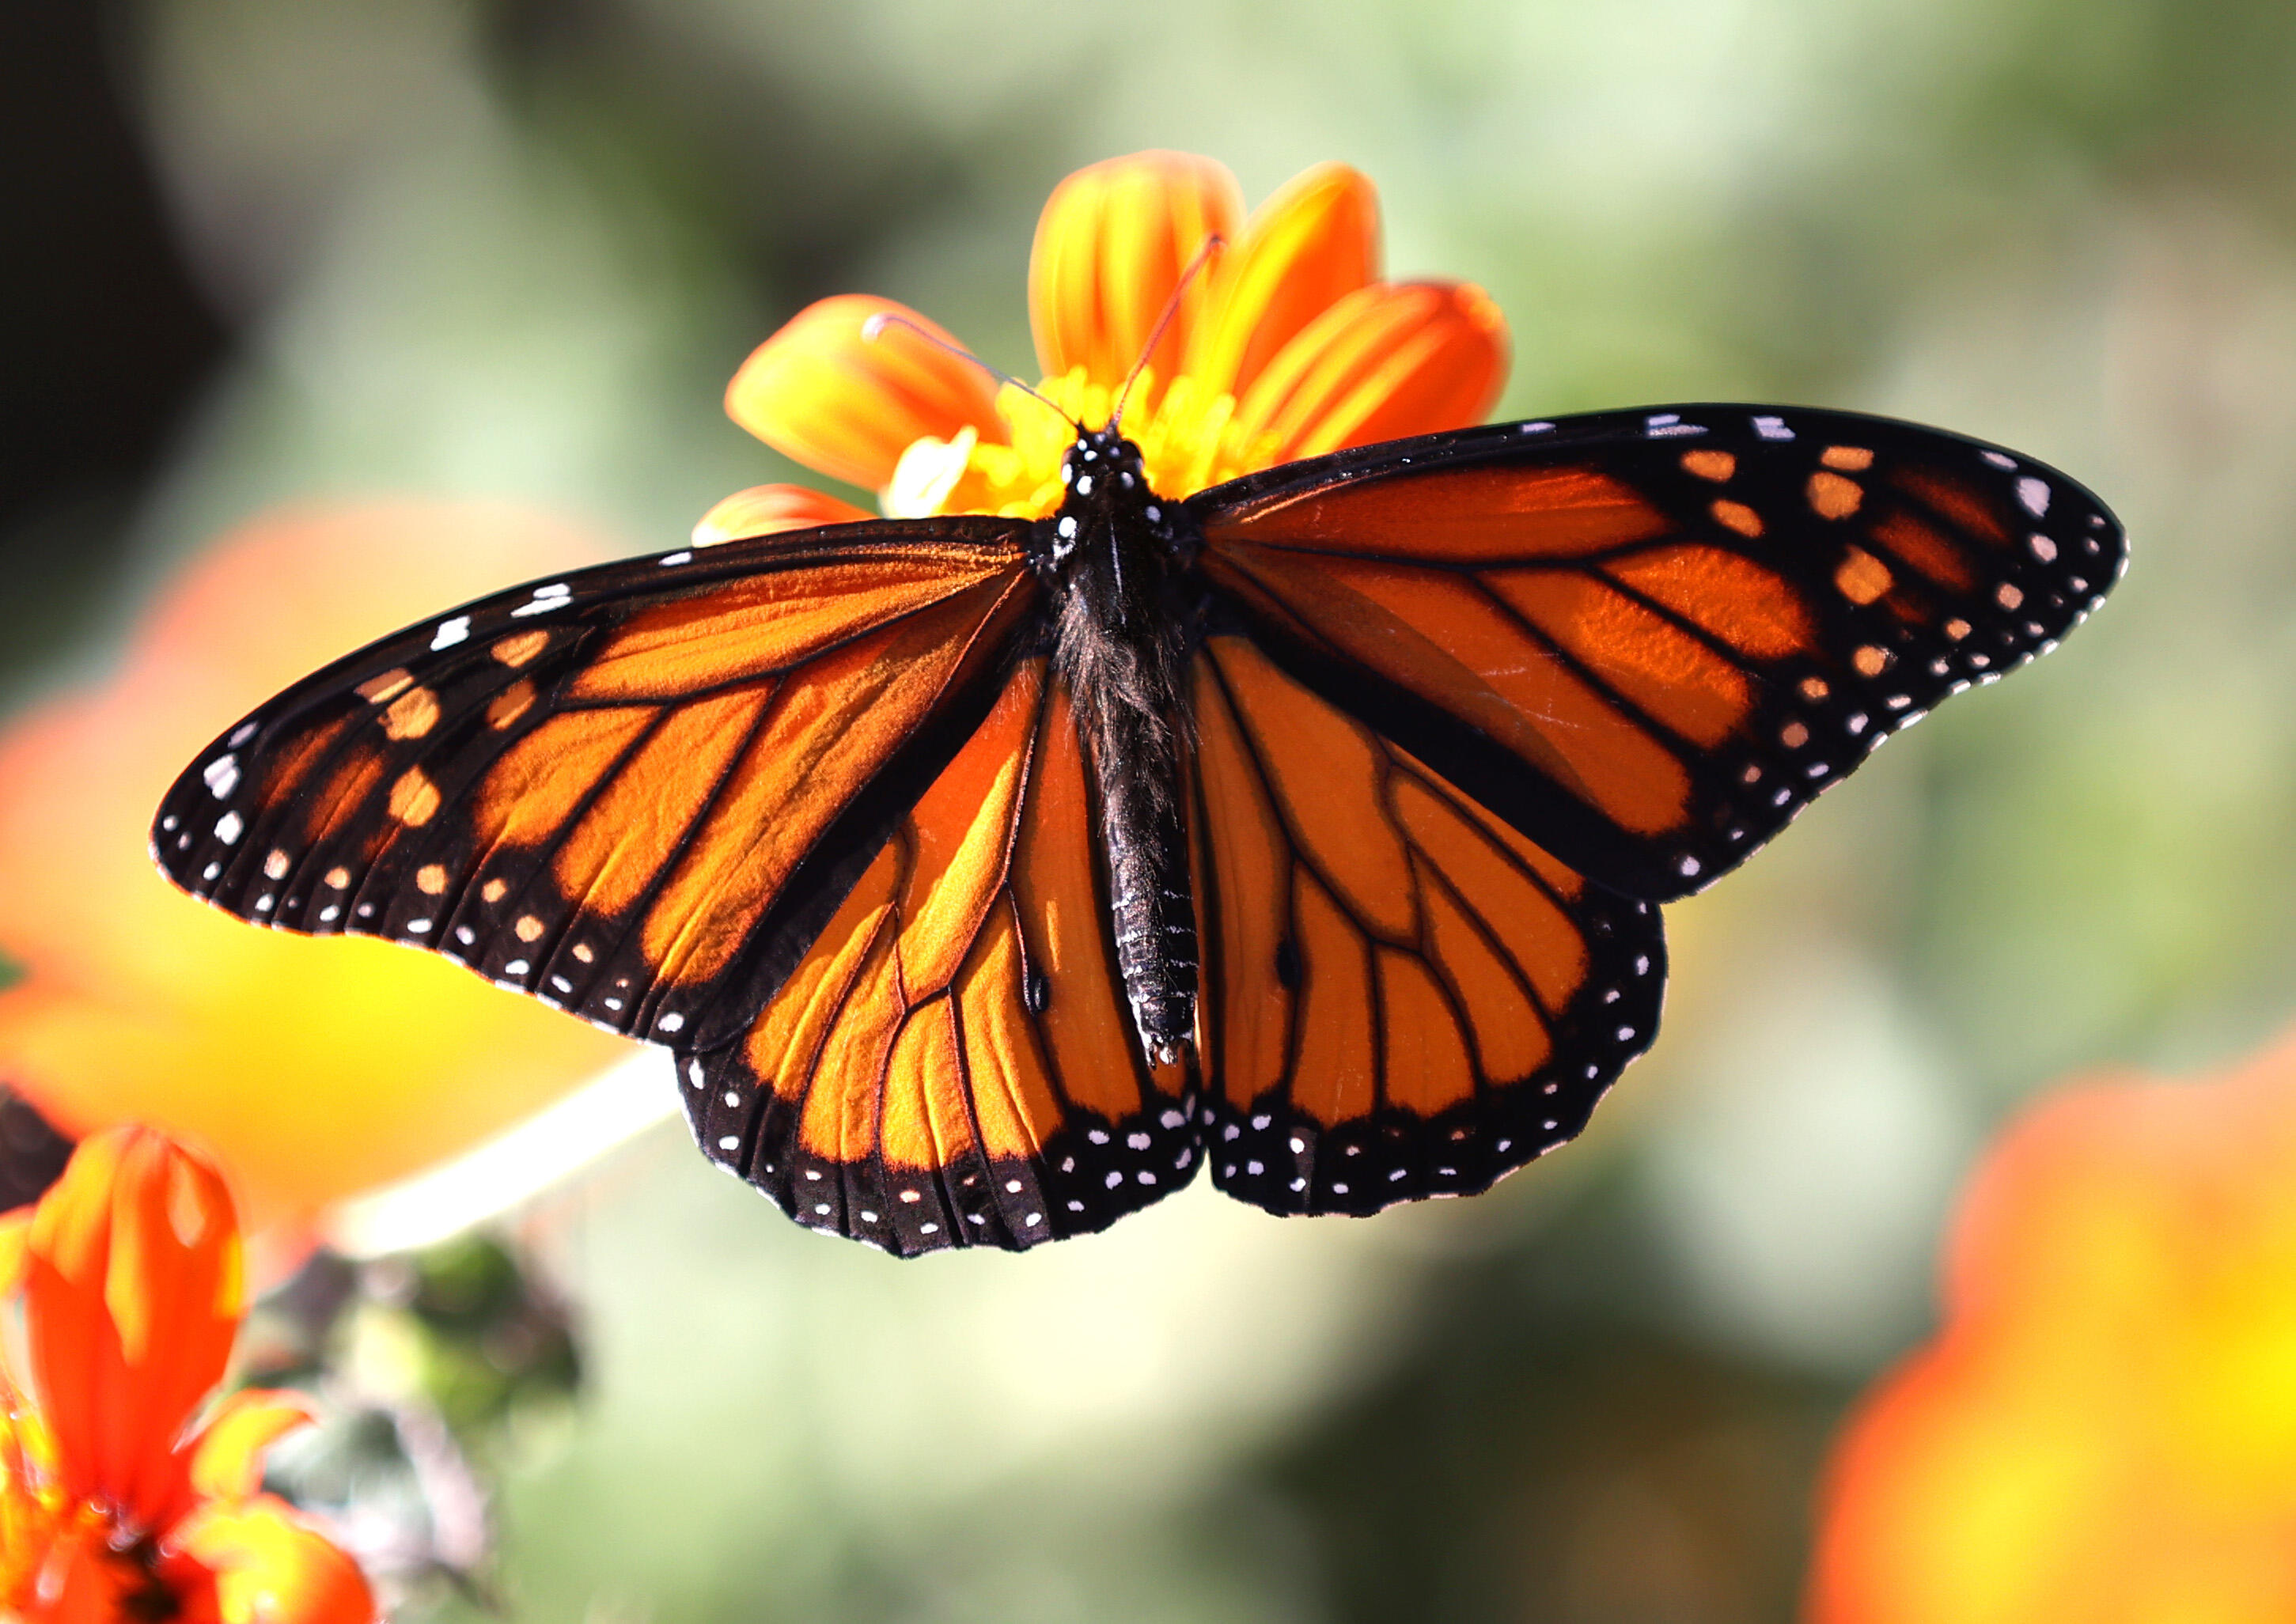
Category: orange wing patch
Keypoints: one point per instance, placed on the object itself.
(1406, 996)
(774, 621)
(1471, 516)
(1730, 598)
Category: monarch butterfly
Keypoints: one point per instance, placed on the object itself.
(987, 875)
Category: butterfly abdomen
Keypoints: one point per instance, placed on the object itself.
(1120, 644)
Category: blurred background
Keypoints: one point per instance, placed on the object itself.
(264, 251)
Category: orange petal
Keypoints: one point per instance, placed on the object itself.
(131, 1296)
(270, 1567)
(82, 1580)
(29, 1514)
(1303, 250)
(2101, 1430)
(767, 510)
(848, 404)
(14, 1226)
(1387, 361)
(227, 1456)
(1110, 249)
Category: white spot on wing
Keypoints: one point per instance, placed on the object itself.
(1773, 427)
(228, 828)
(450, 633)
(222, 774)
(2034, 494)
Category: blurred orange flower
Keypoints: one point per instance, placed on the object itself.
(111, 1510)
(1287, 346)
(2104, 1432)
(316, 1069)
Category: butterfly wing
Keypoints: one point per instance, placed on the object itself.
(1404, 996)
(637, 793)
(1646, 639)
(952, 1063)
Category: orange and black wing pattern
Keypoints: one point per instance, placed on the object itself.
(637, 793)
(952, 1064)
(1404, 996)
(1646, 639)
(823, 812)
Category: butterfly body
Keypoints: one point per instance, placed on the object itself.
(1124, 613)
(991, 876)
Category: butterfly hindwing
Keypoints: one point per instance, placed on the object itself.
(636, 791)
(1648, 638)
(952, 1063)
(1405, 998)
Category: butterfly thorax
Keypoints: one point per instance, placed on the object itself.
(1120, 634)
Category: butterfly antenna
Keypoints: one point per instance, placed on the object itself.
(883, 319)
(1213, 243)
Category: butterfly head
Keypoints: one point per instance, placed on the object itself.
(1108, 507)
(1103, 465)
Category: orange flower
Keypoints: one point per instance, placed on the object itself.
(110, 1509)
(1286, 347)
(316, 1069)
(2105, 1429)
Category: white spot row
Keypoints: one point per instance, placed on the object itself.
(555, 595)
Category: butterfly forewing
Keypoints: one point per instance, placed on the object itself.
(1646, 639)
(952, 1064)
(636, 791)
(1407, 997)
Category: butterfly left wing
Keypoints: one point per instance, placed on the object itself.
(637, 792)
(1402, 996)
(1647, 638)
(953, 1064)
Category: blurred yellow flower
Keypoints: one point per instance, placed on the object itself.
(316, 1069)
(2104, 1432)
(113, 1509)
(1286, 346)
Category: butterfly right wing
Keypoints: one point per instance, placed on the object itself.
(637, 793)
(1648, 639)
(953, 1064)
(1402, 996)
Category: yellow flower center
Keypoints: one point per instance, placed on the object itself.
(1187, 434)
